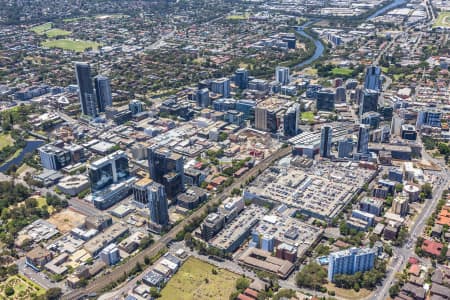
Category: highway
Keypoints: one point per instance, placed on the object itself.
(101, 282)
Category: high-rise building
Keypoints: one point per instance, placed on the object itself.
(363, 139)
(221, 86)
(368, 101)
(400, 205)
(202, 97)
(325, 100)
(282, 75)
(429, 117)
(166, 168)
(290, 120)
(372, 80)
(266, 119)
(325, 141)
(54, 158)
(136, 106)
(241, 78)
(102, 92)
(157, 203)
(140, 194)
(341, 95)
(108, 170)
(345, 148)
(351, 261)
(86, 89)
(110, 255)
(371, 118)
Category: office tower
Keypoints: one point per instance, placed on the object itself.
(345, 148)
(221, 86)
(140, 194)
(341, 95)
(266, 119)
(282, 75)
(166, 168)
(371, 118)
(429, 117)
(372, 205)
(110, 169)
(136, 106)
(241, 78)
(325, 140)
(363, 139)
(212, 224)
(110, 254)
(368, 101)
(157, 203)
(290, 121)
(351, 84)
(247, 107)
(325, 100)
(351, 261)
(409, 132)
(202, 97)
(372, 80)
(54, 158)
(396, 125)
(85, 89)
(103, 92)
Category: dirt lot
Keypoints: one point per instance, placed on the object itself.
(66, 220)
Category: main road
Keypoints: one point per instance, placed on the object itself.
(101, 282)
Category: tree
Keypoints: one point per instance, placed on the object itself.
(242, 283)
(311, 276)
(394, 290)
(9, 291)
(53, 294)
(154, 292)
(427, 190)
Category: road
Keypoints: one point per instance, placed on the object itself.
(402, 254)
(101, 282)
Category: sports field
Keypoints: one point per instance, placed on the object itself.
(443, 20)
(49, 31)
(68, 44)
(195, 281)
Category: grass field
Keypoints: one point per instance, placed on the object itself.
(238, 17)
(5, 140)
(23, 288)
(74, 45)
(443, 20)
(57, 32)
(342, 72)
(307, 115)
(348, 294)
(195, 281)
(41, 29)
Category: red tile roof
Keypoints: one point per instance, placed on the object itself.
(432, 247)
(414, 269)
(251, 293)
(244, 297)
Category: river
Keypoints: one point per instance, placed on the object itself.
(320, 48)
(29, 148)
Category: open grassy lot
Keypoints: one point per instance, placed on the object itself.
(307, 116)
(348, 294)
(68, 44)
(23, 288)
(57, 32)
(195, 281)
(5, 140)
(342, 72)
(238, 17)
(443, 19)
(41, 29)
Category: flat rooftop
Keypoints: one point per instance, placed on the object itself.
(320, 191)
